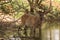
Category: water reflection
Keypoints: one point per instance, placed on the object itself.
(53, 34)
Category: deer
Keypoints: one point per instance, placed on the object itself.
(34, 20)
(30, 21)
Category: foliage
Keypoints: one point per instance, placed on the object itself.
(19, 7)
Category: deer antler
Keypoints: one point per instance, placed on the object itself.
(41, 6)
(49, 9)
(40, 2)
(29, 1)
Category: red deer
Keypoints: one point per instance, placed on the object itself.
(30, 21)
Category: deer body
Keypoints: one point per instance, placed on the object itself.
(30, 20)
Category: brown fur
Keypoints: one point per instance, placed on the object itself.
(30, 20)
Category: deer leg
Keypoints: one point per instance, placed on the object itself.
(25, 30)
(32, 33)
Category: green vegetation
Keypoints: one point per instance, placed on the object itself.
(49, 20)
